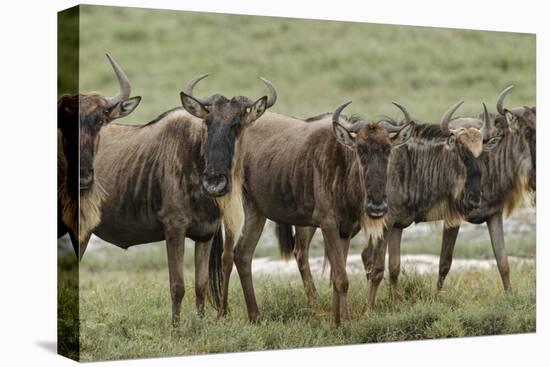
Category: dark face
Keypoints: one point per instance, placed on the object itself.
(373, 149)
(225, 120)
(93, 111)
(472, 186)
(372, 144)
(529, 131)
(523, 123)
(468, 144)
(93, 114)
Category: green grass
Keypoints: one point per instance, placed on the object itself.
(126, 313)
(315, 65)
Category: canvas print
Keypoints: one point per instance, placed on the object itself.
(232, 183)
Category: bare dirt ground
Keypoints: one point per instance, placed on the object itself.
(522, 221)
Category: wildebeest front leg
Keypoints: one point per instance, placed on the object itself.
(446, 256)
(302, 243)
(175, 246)
(367, 255)
(496, 232)
(244, 252)
(202, 255)
(227, 267)
(394, 254)
(377, 274)
(340, 283)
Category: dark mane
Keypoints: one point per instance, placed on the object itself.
(162, 115)
(428, 131)
(318, 117)
(421, 129)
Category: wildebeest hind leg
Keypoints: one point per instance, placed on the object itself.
(244, 252)
(446, 256)
(394, 260)
(301, 253)
(496, 233)
(202, 255)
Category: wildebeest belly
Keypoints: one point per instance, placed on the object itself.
(125, 230)
(281, 194)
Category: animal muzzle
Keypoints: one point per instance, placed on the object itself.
(86, 180)
(215, 185)
(377, 209)
(473, 200)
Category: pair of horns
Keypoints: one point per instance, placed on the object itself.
(271, 97)
(388, 126)
(486, 128)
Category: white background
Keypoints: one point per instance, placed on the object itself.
(28, 182)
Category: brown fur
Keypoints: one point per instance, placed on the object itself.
(299, 173)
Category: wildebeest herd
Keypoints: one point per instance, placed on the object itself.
(215, 169)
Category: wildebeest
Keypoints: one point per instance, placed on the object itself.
(508, 176)
(80, 117)
(434, 176)
(330, 174)
(173, 178)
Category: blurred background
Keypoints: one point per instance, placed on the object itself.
(315, 65)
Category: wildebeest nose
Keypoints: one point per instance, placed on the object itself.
(377, 209)
(473, 200)
(86, 180)
(215, 185)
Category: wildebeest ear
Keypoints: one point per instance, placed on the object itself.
(401, 136)
(193, 106)
(451, 141)
(512, 121)
(492, 143)
(124, 108)
(343, 135)
(252, 113)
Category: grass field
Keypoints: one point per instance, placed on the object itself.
(315, 65)
(125, 311)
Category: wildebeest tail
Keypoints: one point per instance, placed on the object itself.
(215, 273)
(285, 238)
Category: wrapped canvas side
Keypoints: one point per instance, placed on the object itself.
(67, 262)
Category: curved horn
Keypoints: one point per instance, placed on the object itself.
(189, 88)
(447, 118)
(406, 113)
(500, 99)
(272, 96)
(338, 111)
(122, 81)
(389, 126)
(488, 124)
